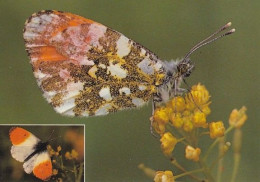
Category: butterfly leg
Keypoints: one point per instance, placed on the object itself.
(155, 100)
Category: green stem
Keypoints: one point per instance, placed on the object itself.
(210, 149)
(206, 171)
(237, 140)
(219, 159)
(235, 169)
(61, 163)
(188, 173)
(176, 164)
(75, 170)
(80, 173)
(215, 161)
(204, 133)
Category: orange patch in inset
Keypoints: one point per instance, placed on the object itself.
(18, 135)
(43, 170)
(49, 53)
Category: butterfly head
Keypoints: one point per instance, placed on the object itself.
(185, 67)
(177, 71)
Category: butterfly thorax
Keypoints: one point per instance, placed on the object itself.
(38, 148)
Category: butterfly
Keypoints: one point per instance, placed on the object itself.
(85, 68)
(30, 150)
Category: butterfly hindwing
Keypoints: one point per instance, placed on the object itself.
(40, 164)
(85, 68)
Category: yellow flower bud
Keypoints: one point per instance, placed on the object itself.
(161, 115)
(176, 120)
(187, 124)
(59, 148)
(164, 176)
(159, 127)
(54, 171)
(205, 109)
(68, 156)
(74, 154)
(216, 129)
(199, 119)
(238, 117)
(177, 104)
(199, 94)
(192, 153)
(168, 142)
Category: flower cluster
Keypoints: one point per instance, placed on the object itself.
(72, 155)
(186, 113)
(184, 120)
(63, 170)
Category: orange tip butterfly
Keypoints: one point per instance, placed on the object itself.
(85, 68)
(30, 150)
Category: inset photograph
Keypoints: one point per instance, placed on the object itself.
(42, 153)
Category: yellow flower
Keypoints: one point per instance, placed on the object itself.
(176, 120)
(200, 94)
(68, 156)
(177, 104)
(74, 154)
(198, 97)
(238, 117)
(199, 119)
(160, 119)
(54, 171)
(192, 153)
(161, 115)
(50, 150)
(71, 155)
(187, 124)
(164, 176)
(205, 109)
(59, 148)
(168, 142)
(158, 126)
(216, 129)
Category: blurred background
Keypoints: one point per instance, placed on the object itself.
(117, 143)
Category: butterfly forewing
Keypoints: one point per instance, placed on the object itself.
(23, 143)
(85, 68)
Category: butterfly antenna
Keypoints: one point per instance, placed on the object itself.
(49, 138)
(211, 39)
(54, 138)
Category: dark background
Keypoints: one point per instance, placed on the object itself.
(117, 143)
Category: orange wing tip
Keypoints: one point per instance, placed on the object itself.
(43, 170)
(18, 135)
(49, 53)
(74, 20)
